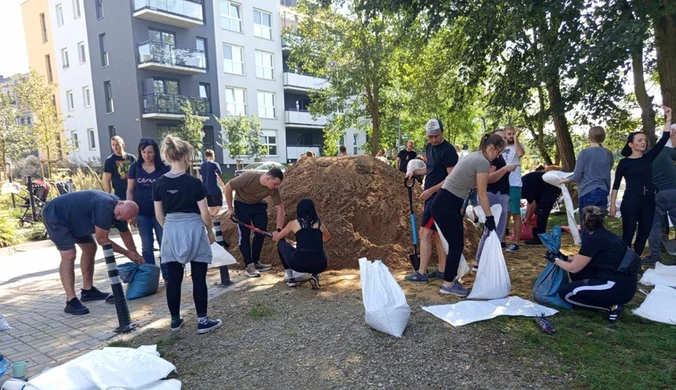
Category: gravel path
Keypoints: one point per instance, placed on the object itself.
(280, 338)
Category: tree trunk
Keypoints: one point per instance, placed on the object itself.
(564, 144)
(375, 118)
(645, 101)
(541, 117)
(665, 41)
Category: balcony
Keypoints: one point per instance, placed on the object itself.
(168, 106)
(178, 13)
(294, 118)
(294, 152)
(303, 83)
(167, 58)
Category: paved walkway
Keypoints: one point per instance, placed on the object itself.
(32, 300)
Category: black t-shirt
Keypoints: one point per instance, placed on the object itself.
(502, 185)
(638, 172)
(81, 211)
(119, 167)
(439, 158)
(179, 194)
(404, 157)
(536, 189)
(606, 251)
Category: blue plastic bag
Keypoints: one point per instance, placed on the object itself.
(143, 279)
(547, 285)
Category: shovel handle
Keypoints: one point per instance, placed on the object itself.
(251, 227)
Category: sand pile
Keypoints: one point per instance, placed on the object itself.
(364, 204)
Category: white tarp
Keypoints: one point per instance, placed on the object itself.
(466, 312)
(220, 257)
(664, 275)
(659, 305)
(554, 178)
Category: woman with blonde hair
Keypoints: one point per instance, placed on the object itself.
(181, 208)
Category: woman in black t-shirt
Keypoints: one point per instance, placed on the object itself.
(181, 208)
(603, 275)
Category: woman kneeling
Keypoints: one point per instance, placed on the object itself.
(308, 255)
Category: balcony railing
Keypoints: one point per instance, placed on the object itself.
(168, 55)
(303, 82)
(169, 104)
(163, 10)
(294, 118)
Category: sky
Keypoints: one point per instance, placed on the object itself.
(13, 57)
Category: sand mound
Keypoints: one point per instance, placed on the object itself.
(364, 204)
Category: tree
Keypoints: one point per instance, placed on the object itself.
(192, 128)
(15, 139)
(243, 137)
(254, 139)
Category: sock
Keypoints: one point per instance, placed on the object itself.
(175, 318)
(289, 273)
(202, 320)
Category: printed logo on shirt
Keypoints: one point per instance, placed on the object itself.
(123, 168)
(172, 191)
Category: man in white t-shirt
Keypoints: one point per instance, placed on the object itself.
(512, 155)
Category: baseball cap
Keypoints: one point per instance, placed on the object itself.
(434, 127)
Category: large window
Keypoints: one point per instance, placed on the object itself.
(235, 101)
(102, 47)
(164, 130)
(86, 96)
(77, 12)
(75, 140)
(262, 24)
(233, 59)
(108, 92)
(64, 58)
(266, 105)
(269, 138)
(43, 27)
(162, 37)
(59, 15)
(231, 16)
(264, 65)
(91, 138)
(99, 9)
(201, 45)
(81, 53)
(166, 86)
(70, 100)
(208, 140)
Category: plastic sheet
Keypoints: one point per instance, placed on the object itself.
(4, 325)
(220, 257)
(386, 308)
(661, 275)
(466, 312)
(659, 305)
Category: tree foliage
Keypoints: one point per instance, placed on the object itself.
(242, 136)
(15, 140)
(192, 127)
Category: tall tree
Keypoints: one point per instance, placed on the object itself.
(15, 140)
(243, 137)
(192, 127)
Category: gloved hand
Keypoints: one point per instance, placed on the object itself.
(553, 256)
(490, 223)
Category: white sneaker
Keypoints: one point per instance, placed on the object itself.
(299, 276)
(251, 271)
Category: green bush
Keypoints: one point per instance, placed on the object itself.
(37, 232)
(9, 234)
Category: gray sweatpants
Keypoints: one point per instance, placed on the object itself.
(665, 203)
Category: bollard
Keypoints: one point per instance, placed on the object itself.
(123, 316)
(225, 273)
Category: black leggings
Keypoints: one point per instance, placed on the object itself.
(313, 263)
(597, 293)
(637, 209)
(199, 287)
(544, 208)
(446, 213)
(256, 215)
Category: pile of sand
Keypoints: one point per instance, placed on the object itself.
(363, 203)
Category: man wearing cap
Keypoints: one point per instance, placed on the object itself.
(441, 158)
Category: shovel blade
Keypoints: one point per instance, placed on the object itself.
(415, 261)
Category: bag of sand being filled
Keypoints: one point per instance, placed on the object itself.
(386, 308)
(492, 279)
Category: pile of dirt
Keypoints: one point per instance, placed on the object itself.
(363, 203)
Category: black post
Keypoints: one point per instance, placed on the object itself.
(123, 316)
(225, 273)
(31, 201)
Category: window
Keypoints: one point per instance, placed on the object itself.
(108, 91)
(208, 140)
(235, 101)
(48, 66)
(59, 15)
(43, 27)
(205, 91)
(233, 59)
(269, 138)
(166, 86)
(163, 130)
(91, 137)
(201, 45)
(231, 18)
(99, 9)
(355, 140)
(74, 139)
(64, 58)
(266, 105)
(162, 37)
(86, 96)
(28, 120)
(76, 9)
(264, 67)
(70, 100)
(102, 47)
(81, 54)
(111, 131)
(262, 24)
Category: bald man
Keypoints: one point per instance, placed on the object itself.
(72, 219)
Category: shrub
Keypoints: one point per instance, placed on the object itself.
(27, 166)
(37, 232)
(9, 234)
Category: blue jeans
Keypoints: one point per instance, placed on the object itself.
(596, 197)
(146, 225)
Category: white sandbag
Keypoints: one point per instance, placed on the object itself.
(4, 325)
(492, 278)
(661, 275)
(384, 300)
(220, 257)
(466, 312)
(463, 267)
(496, 210)
(659, 305)
(554, 178)
(415, 164)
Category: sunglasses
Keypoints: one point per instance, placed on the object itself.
(147, 141)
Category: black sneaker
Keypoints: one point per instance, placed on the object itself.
(93, 295)
(314, 281)
(614, 313)
(75, 307)
(225, 284)
(208, 325)
(291, 282)
(512, 248)
(176, 325)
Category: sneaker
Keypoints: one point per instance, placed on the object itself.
(225, 284)
(503, 245)
(208, 325)
(299, 276)
(475, 267)
(262, 267)
(649, 260)
(454, 289)
(314, 281)
(512, 248)
(435, 274)
(291, 282)
(533, 242)
(417, 278)
(251, 271)
(614, 313)
(93, 295)
(177, 324)
(75, 307)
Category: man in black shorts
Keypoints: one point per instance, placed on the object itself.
(441, 158)
(210, 173)
(72, 219)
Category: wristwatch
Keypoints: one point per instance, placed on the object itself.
(278, 230)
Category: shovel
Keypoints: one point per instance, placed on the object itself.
(251, 227)
(413, 258)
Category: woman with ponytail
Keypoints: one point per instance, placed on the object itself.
(308, 255)
(638, 203)
(472, 171)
